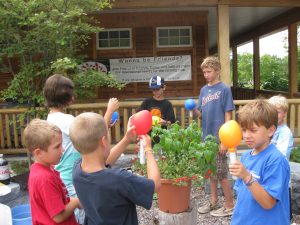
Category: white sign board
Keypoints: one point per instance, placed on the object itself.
(171, 68)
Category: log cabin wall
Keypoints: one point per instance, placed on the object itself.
(143, 25)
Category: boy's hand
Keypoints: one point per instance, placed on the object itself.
(76, 202)
(236, 168)
(113, 105)
(130, 134)
(146, 141)
(222, 149)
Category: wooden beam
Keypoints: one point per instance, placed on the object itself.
(131, 4)
(234, 66)
(278, 22)
(256, 64)
(223, 42)
(293, 60)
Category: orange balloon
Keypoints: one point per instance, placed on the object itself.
(230, 134)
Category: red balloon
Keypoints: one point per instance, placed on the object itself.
(142, 121)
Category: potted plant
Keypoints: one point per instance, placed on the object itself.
(183, 159)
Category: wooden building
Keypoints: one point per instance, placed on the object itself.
(215, 26)
(132, 29)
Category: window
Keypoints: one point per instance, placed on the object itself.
(174, 36)
(114, 39)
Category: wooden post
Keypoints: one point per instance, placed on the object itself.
(223, 42)
(256, 64)
(293, 60)
(189, 217)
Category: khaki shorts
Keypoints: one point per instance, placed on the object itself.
(221, 167)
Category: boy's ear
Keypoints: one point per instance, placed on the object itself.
(103, 141)
(38, 152)
(272, 130)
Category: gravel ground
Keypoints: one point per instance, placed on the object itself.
(150, 217)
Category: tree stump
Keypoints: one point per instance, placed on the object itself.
(184, 218)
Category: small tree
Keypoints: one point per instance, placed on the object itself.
(41, 37)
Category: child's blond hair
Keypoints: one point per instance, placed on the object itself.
(86, 130)
(280, 101)
(39, 133)
(259, 112)
(211, 62)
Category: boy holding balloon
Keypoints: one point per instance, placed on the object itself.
(215, 107)
(264, 173)
(109, 196)
(158, 105)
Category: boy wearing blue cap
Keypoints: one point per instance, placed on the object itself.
(158, 105)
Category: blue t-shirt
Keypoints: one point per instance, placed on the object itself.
(110, 196)
(272, 172)
(214, 101)
(283, 140)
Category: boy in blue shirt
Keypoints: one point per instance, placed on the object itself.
(264, 173)
(283, 137)
(215, 107)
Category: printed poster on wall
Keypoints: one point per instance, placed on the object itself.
(172, 68)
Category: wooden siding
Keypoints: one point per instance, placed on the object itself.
(143, 27)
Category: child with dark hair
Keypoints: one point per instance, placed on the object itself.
(59, 93)
(158, 105)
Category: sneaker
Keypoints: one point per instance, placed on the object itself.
(222, 212)
(207, 207)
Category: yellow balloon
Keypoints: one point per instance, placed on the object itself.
(155, 121)
(230, 134)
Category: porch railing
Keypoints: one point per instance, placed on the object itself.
(12, 121)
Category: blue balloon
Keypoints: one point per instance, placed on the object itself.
(189, 104)
(114, 117)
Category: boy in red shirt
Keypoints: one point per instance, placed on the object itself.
(48, 195)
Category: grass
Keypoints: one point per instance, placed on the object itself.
(295, 155)
(18, 167)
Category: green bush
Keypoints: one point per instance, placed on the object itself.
(295, 155)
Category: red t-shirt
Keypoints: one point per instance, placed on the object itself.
(48, 196)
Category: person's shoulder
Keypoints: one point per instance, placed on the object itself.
(275, 156)
(40, 174)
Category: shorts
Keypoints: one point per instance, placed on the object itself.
(79, 213)
(221, 167)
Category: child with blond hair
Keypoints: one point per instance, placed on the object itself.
(109, 196)
(283, 137)
(215, 107)
(49, 199)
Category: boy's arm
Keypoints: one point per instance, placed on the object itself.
(228, 116)
(112, 105)
(68, 211)
(152, 168)
(263, 198)
(223, 148)
(119, 148)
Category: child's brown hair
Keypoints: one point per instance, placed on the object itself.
(58, 91)
(211, 62)
(259, 112)
(39, 133)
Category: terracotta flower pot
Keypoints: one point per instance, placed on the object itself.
(173, 198)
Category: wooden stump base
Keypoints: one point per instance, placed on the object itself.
(189, 217)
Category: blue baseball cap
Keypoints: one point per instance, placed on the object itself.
(156, 82)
